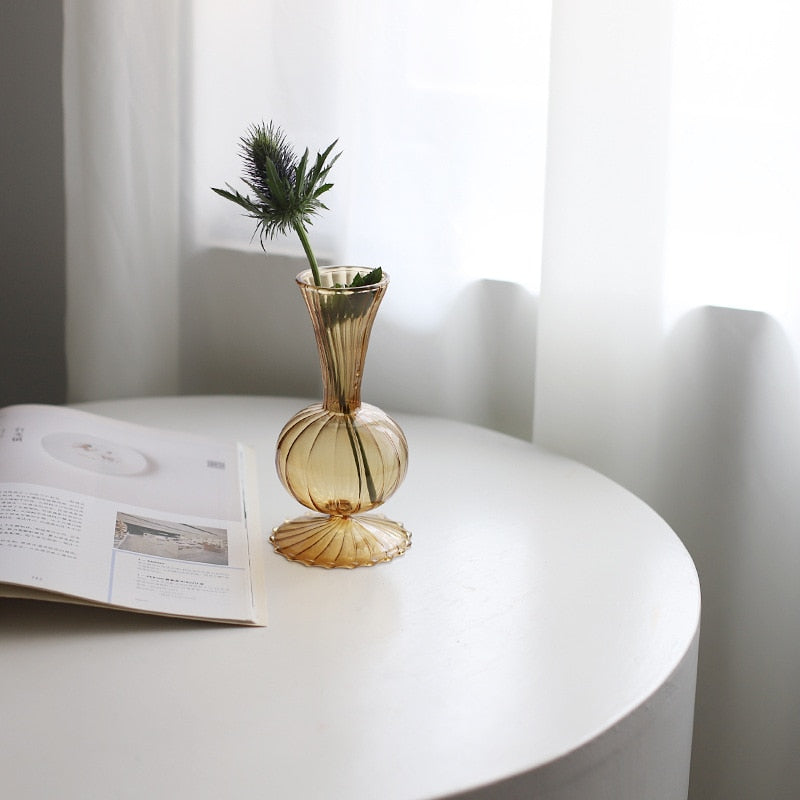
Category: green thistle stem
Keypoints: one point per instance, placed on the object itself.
(330, 323)
(301, 232)
(357, 446)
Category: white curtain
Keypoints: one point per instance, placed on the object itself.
(668, 329)
(440, 182)
(661, 345)
(121, 126)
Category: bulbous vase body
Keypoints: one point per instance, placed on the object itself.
(341, 457)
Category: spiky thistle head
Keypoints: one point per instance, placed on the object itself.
(287, 189)
(263, 145)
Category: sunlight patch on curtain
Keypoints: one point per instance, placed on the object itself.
(440, 111)
(733, 231)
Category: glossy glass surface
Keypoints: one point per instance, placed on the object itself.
(341, 457)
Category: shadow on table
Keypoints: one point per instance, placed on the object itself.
(25, 619)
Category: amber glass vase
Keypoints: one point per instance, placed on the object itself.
(341, 457)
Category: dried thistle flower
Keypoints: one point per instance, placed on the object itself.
(287, 190)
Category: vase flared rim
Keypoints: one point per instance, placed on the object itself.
(306, 278)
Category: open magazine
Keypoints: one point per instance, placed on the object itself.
(97, 511)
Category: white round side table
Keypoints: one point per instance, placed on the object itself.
(538, 640)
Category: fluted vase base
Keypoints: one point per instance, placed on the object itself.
(358, 541)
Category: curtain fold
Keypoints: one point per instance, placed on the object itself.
(600, 319)
(121, 173)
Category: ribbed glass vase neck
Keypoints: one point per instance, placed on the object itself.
(342, 320)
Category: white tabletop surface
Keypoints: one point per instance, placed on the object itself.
(539, 606)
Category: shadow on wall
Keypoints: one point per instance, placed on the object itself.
(245, 330)
(32, 261)
(731, 465)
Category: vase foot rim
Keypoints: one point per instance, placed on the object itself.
(361, 540)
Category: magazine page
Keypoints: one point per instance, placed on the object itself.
(123, 515)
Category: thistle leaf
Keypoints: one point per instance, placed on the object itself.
(300, 177)
(322, 189)
(237, 198)
(374, 276)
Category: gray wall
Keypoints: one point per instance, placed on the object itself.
(32, 259)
